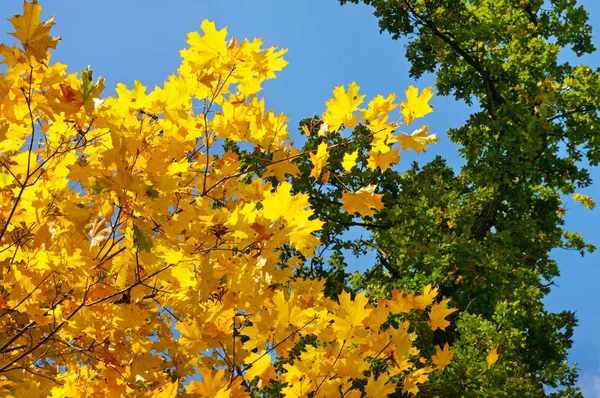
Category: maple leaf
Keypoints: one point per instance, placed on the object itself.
(418, 140)
(362, 201)
(277, 204)
(416, 106)
(379, 387)
(204, 49)
(287, 312)
(413, 379)
(281, 167)
(442, 356)
(492, 357)
(214, 384)
(379, 108)
(438, 314)
(341, 108)
(351, 313)
(429, 294)
(33, 34)
(169, 390)
(383, 160)
(349, 161)
(260, 363)
(319, 160)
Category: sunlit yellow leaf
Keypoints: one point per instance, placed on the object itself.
(260, 361)
(319, 160)
(363, 201)
(438, 314)
(416, 106)
(417, 140)
(33, 34)
(349, 161)
(341, 108)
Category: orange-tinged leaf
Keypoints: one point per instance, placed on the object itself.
(416, 106)
(214, 384)
(33, 34)
(438, 314)
(363, 201)
(169, 390)
(442, 356)
(417, 140)
(341, 108)
(492, 356)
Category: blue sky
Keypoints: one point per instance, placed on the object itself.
(328, 45)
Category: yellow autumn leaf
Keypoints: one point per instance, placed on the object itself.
(442, 356)
(6, 180)
(585, 200)
(33, 34)
(319, 160)
(379, 108)
(260, 363)
(349, 161)
(281, 166)
(169, 390)
(379, 387)
(438, 314)
(383, 160)
(417, 140)
(305, 130)
(363, 201)
(178, 167)
(278, 203)
(413, 379)
(204, 49)
(416, 106)
(492, 356)
(429, 294)
(341, 108)
(214, 384)
(351, 313)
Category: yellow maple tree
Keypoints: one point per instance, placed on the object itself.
(138, 257)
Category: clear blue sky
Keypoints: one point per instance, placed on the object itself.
(328, 44)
